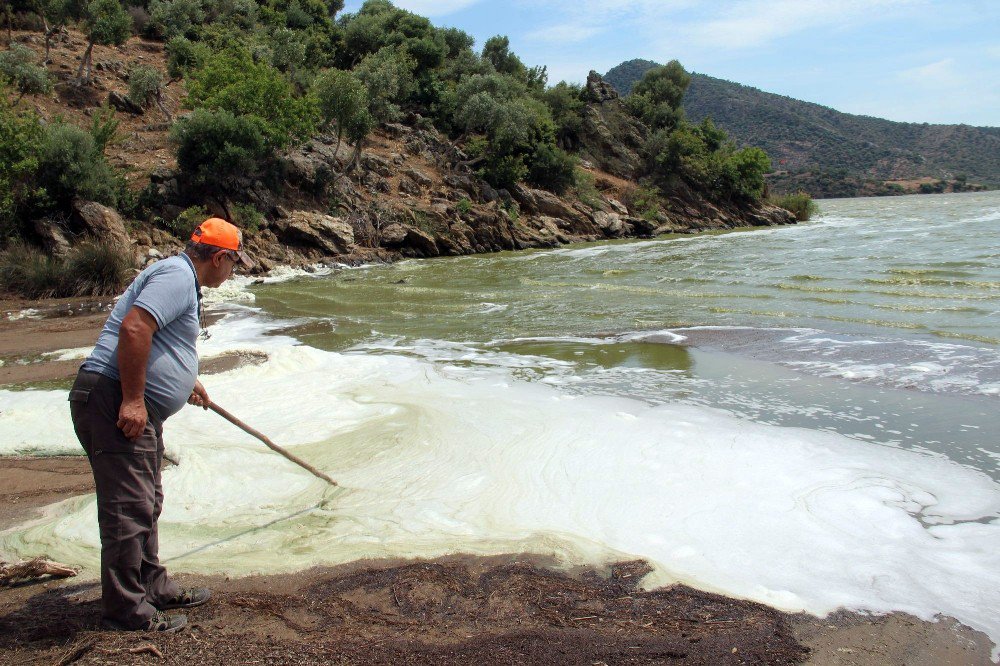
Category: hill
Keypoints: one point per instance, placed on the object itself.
(327, 137)
(829, 153)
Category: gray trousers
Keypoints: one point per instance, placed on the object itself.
(129, 499)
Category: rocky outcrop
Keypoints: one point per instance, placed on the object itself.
(412, 194)
(53, 236)
(100, 223)
(610, 138)
(410, 241)
(597, 90)
(331, 235)
(124, 104)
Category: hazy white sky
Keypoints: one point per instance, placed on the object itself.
(935, 61)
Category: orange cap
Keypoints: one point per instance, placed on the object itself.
(216, 231)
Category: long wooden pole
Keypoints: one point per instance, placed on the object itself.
(271, 445)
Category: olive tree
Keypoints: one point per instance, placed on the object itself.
(106, 23)
(343, 100)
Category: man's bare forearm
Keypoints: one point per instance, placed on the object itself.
(135, 338)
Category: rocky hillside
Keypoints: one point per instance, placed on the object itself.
(412, 193)
(829, 153)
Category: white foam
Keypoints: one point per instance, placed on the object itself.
(75, 354)
(36, 422)
(30, 313)
(442, 459)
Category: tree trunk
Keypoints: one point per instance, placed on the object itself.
(162, 106)
(85, 63)
(471, 163)
(355, 158)
(340, 135)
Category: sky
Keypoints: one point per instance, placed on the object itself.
(934, 61)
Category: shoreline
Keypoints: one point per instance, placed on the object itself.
(452, 610)
(275, 615)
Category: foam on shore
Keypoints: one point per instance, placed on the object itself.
(437, 459)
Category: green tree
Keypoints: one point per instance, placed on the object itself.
(388, 76)
(21, 136)
(232, 81)
(343, 99)
(566, 105)
(656, 99)
(106, 23)
(497, 52)
(457, 41)
(175, 18)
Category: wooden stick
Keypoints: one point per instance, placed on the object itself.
(35, 568)
(271, 445)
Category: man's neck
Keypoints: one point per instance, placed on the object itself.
(200, 269)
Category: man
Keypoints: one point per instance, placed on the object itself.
(142, 370)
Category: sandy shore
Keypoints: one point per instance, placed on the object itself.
(456, 610)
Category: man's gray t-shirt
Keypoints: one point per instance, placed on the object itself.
(168, 290)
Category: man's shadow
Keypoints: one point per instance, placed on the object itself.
(51, 618)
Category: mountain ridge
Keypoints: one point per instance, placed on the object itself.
(831, 153)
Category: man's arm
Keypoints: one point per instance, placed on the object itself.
(135, 337)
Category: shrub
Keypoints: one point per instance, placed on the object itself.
(17, 65)
(240, 14)
(91, 269)
(552, 169)
(71, 165)
(741, 174)
(586, 189)
(21, 136)
(644, 201)
(184, 224)
(28, 271)
(248, 217)
(288, 49)
(504, 171)
(144, 85)
(656, 98)
(140, 19)
(96, 269)
(103, 126)
(799, 204)
(213, 145)
(183, 55)
(463, 206)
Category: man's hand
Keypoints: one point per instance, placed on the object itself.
(199, 396)
(132, 418)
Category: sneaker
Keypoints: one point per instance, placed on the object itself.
(168, 624)
(188, 598)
